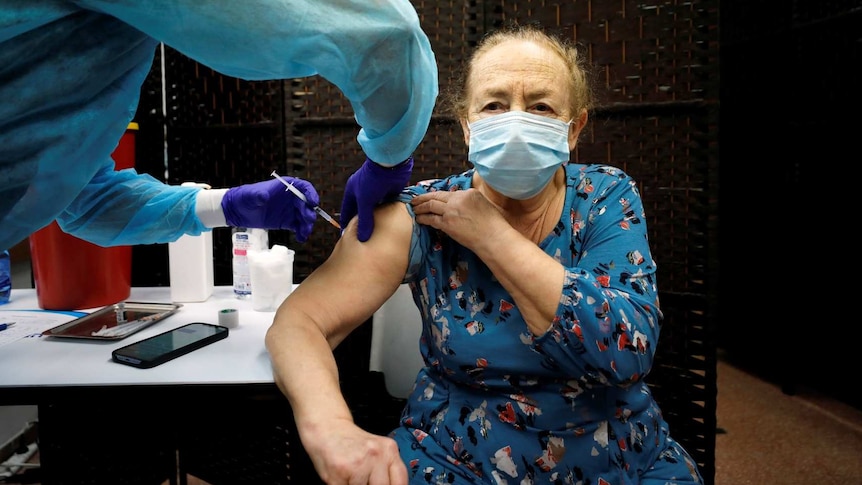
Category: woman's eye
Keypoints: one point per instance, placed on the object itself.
(542, 108)
(493, 107)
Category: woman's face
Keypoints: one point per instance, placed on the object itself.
(518, 75)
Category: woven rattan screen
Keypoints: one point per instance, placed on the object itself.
(657, 66)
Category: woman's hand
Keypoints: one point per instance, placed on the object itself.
(345, 454)
(465, 215)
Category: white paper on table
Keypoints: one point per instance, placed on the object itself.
(31, 323)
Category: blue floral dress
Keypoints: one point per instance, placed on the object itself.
(496, 404)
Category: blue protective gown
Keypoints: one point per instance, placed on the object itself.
(496, 404)
(70, 80)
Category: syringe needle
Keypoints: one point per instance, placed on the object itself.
(322, 213)
(293, 190)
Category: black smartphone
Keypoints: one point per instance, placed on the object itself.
(169, 345)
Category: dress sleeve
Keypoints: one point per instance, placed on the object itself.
(120, 207)
(420, 241)
(607, 323)
(374, 51)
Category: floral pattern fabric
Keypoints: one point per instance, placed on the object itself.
(496, 404)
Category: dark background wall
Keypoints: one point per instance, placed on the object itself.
(657, 65)
(790, 82)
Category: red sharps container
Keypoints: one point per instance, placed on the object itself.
(71, 273)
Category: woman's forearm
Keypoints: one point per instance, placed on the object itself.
(305, 370)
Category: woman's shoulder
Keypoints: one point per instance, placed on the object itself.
(581, 170)
(597, 175)
(593, 182)
(459, 181)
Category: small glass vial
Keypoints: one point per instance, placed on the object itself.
(242, 241)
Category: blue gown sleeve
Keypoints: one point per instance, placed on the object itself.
(374, 51)
(92, 215)
(71, 73)
(69, 81)
(607, 323)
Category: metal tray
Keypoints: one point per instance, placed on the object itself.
(114, 322)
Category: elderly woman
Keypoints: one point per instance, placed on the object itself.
(537, 292)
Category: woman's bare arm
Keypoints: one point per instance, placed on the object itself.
(334, 300)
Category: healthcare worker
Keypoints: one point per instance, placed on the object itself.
(70, 80)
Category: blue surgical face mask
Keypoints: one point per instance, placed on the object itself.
(517, 153)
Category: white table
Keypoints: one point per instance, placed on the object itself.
(51, 364)
(215, 413)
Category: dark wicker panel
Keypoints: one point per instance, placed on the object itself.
(245, 442)
(442, 152)
(225, 132)
(150, 262)
(683, 378)
(138, 451)
(149, 142)
(315, 97)
(332, 154)
(241, 441)
(654, 51)
(198, 96)
(453, 28)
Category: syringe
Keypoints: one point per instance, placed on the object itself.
(322, 213)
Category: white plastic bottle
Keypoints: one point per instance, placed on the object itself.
(242, 240)
(191, 268)
(191, 265)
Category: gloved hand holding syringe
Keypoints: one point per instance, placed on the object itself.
(322, 213)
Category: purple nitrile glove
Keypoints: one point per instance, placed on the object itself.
(269, 205)
(368, 187)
